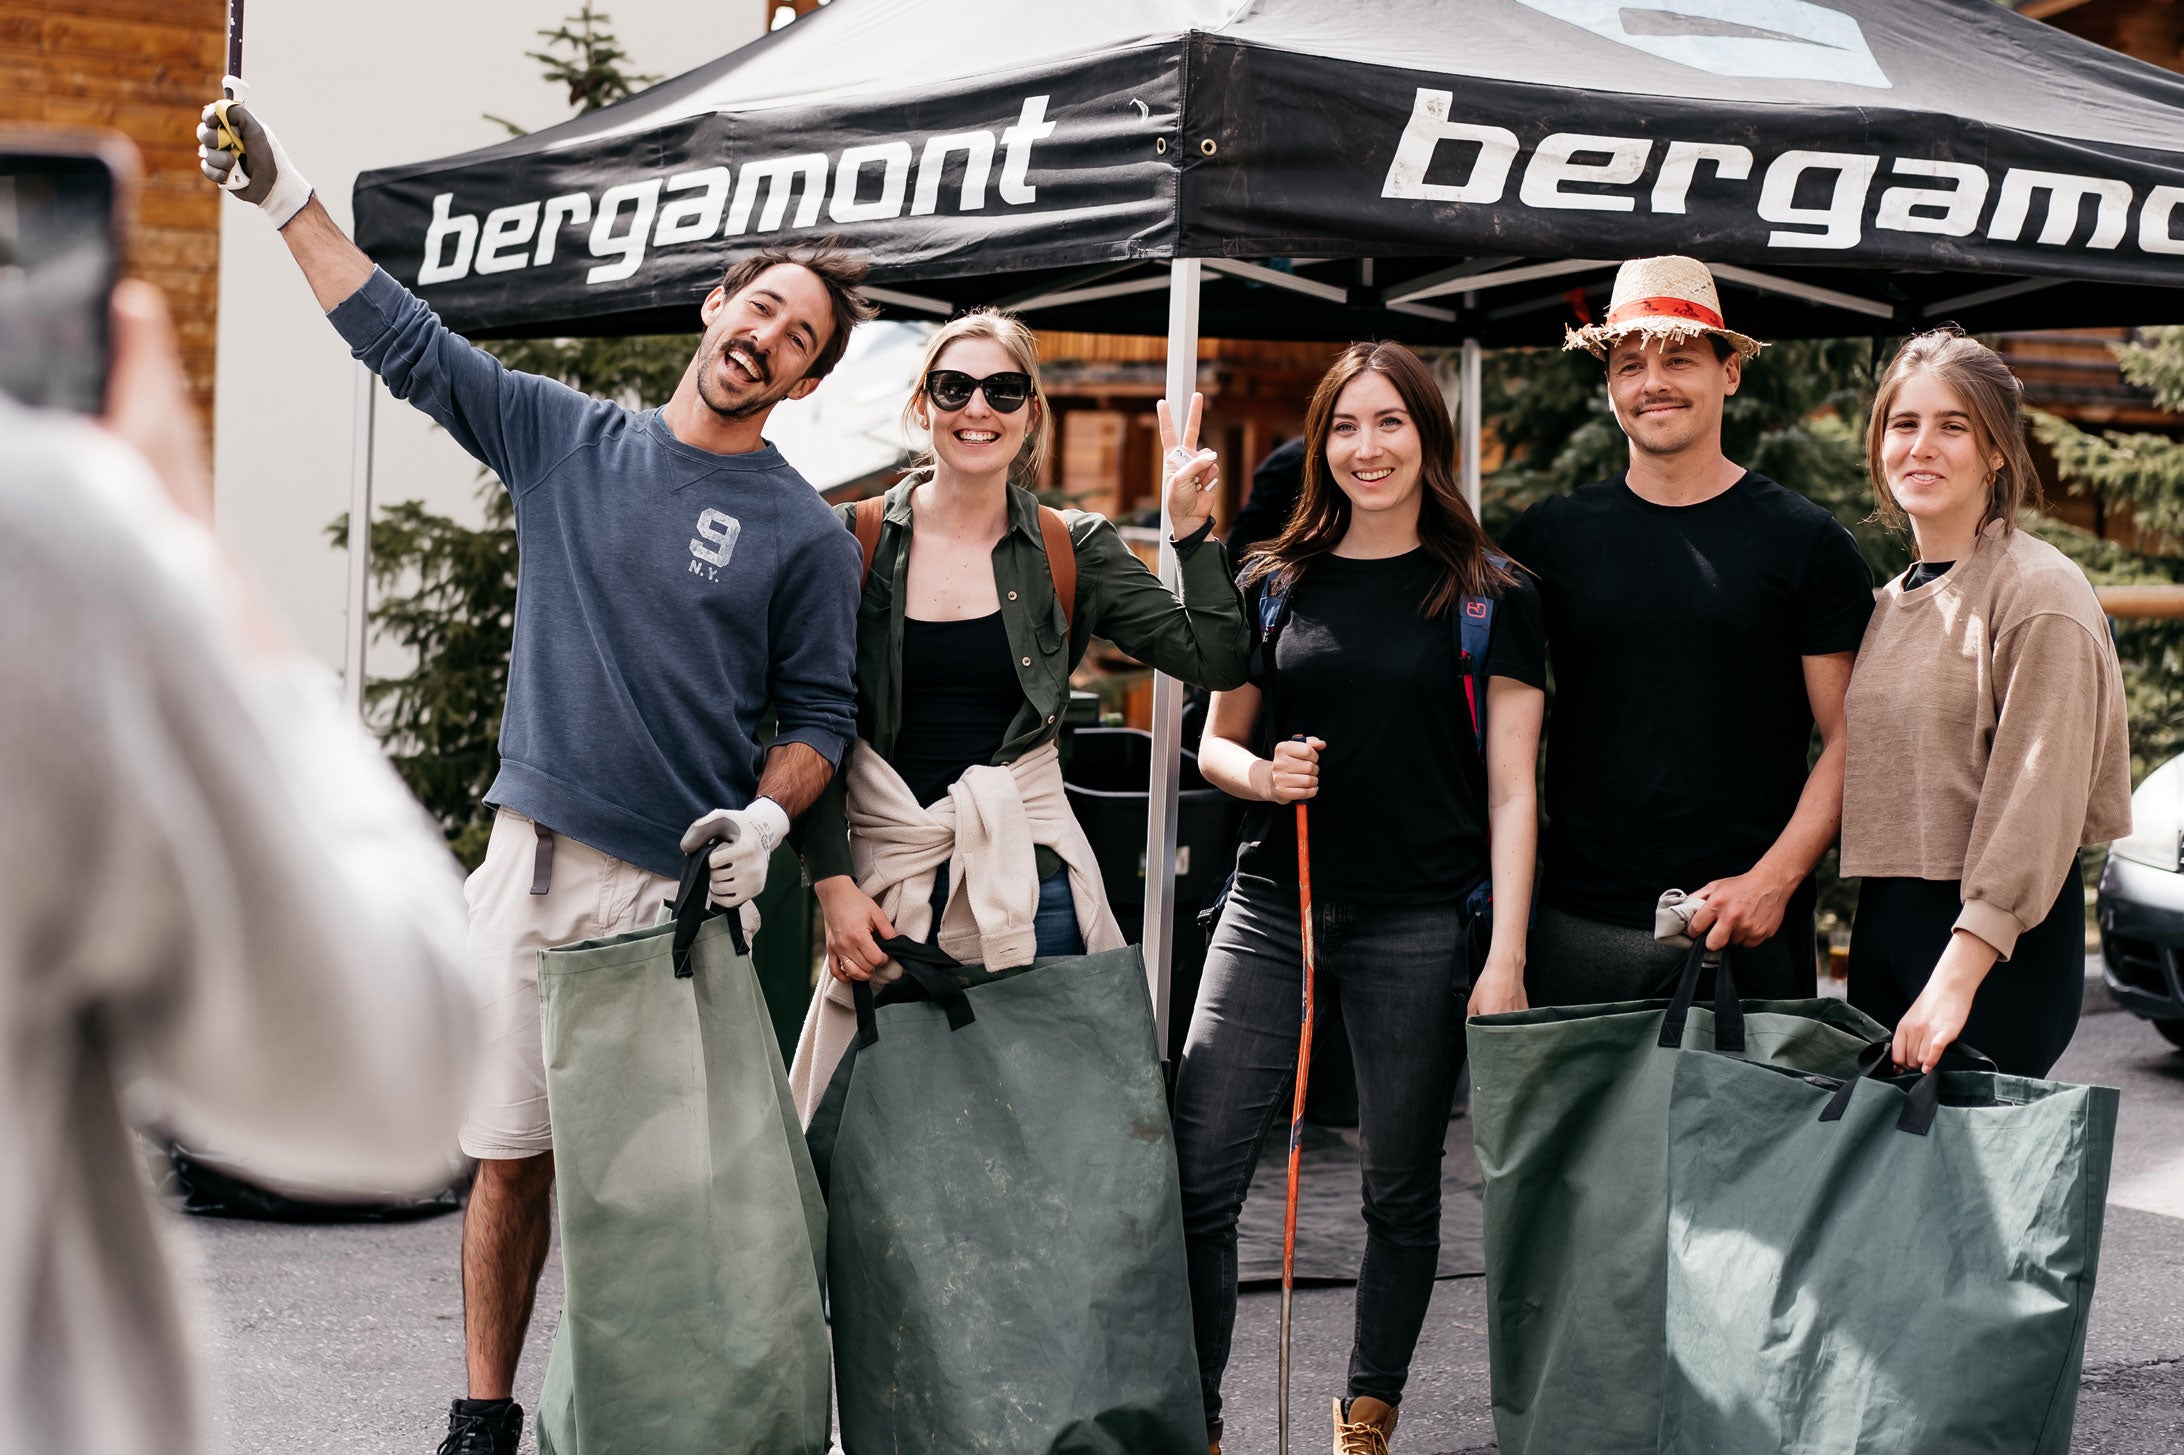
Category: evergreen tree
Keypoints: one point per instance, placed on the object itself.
(447, 591)
(2144, 472)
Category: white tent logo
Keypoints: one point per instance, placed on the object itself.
(1790, 40)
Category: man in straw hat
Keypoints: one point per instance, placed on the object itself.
(1700, 620)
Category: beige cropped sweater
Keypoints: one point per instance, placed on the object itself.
(1986, 733)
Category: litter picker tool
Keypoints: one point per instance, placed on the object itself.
(233, 92)
(1296, 1121)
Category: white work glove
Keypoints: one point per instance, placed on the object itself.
(262, 174)
(749, 835)
(1672, 918)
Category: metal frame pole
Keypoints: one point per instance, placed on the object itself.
(1167, 774)
(1468, 405)
(356, 626)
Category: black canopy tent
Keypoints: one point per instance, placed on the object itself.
(1438, 171)
(1901, 157)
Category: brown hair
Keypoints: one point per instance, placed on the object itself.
(841, 270)
(1022, 346)
(1992, 397)
(1446, 526)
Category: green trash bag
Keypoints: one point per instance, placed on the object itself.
(1569, 1109)
(1004, 1232)
(1879, 1267)
(692, 1230)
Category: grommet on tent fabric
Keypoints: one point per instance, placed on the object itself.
(1208, 146)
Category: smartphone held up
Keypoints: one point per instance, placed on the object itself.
(61, 205)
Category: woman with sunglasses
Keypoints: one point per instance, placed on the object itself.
(964, 652)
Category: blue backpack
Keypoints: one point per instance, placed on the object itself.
(1474, 626)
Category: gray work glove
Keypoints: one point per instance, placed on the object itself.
(262, 175)
(1672, 918)
(738, 863)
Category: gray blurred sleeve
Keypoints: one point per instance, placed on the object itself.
(203, 862)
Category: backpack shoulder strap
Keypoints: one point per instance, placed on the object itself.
(1061, 554)
(1273, 608)
(871, 514)
(1474, 634)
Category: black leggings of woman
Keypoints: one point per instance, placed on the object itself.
(2026, 1010)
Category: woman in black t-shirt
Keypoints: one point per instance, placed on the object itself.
(1363, 692)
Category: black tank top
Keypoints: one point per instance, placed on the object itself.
(959, 695)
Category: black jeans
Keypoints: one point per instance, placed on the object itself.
(2026, 1010)
(1400, 977)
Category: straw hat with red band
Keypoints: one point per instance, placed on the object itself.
(1670, 299)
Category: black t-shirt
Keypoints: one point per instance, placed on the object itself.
(1922, 572)
(960, 693)
(1401, 813)
(1679, 731)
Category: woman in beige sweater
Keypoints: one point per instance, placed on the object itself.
(1986, 733)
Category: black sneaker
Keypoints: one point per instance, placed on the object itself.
(483, 1427)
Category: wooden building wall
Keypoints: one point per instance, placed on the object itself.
(2151, 30)
(144, 68)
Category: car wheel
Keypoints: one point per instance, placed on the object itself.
(2174, 1030)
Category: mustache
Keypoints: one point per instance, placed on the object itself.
(756, 357)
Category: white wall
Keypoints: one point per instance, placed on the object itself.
(348, 88)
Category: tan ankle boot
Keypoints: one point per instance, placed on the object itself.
(1363, 1426)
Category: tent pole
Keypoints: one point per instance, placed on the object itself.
(1167, 773)
(1468, 404)
(356, 627)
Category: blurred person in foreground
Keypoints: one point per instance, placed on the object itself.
(214, 895)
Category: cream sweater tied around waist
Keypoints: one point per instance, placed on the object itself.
(984, 833)
(1986, 733)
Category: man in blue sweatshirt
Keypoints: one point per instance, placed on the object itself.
(677, 578)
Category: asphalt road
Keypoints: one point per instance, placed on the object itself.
(348, 1339)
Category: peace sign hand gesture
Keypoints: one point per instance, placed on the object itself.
(1190, 472)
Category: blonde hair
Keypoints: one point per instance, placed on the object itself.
(1992, 397)
(1022, 346)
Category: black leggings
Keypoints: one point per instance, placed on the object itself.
(2027, 1008)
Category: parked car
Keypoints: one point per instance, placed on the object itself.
(2142, 905)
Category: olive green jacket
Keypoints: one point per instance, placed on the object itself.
(1201, 639)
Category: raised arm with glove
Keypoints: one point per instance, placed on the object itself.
(267, 180)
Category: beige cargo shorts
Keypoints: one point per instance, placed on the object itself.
(588, 895)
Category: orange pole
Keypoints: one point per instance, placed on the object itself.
(1296, 1119)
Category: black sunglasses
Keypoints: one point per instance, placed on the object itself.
(952, 389)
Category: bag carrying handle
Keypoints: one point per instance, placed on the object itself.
(1924, 1101)
(924, 963)
(1728, 1013)
(691, 911)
